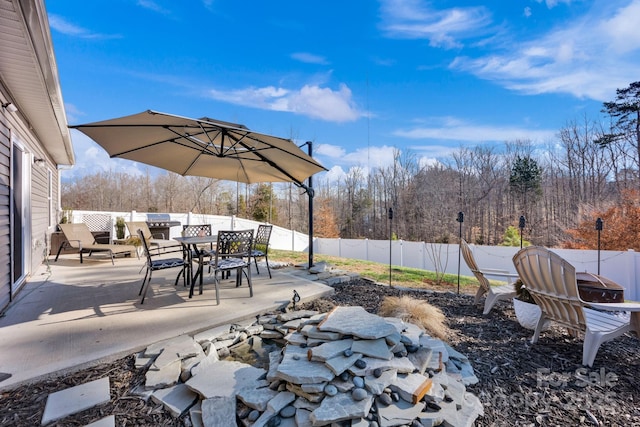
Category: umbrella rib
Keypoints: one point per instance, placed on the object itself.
(265, 159)
(201, 146)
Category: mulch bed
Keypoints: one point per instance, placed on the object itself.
(520, 383)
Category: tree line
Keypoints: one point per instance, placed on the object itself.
(590, 169)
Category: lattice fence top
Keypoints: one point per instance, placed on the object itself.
(98, 222)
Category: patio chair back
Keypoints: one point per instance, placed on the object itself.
(78, 235)
(485, 286)
(260, 247)
(134, 226)
(199, 230)
(552, 283)
(234, 244)
(493, 293)
(551, 280)
(233, 251)
(196, 230)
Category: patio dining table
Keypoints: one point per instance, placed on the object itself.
(190, 244)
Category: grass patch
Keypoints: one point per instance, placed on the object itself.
(378, 272)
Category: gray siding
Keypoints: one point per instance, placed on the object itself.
(5, 236)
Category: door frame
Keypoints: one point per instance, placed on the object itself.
(20, 204)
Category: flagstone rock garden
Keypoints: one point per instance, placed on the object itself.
(484, 371)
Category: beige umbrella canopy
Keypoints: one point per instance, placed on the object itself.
(202, 147)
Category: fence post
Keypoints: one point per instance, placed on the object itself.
(631, 275)
(366, 249)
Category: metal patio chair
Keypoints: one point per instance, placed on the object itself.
(233, 250)
(157, 261)
(260, 247)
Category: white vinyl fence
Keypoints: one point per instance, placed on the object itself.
(621, 266)
(281, 238)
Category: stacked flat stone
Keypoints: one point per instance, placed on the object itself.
(345, 366)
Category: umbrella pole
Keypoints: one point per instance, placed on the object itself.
(310, 193)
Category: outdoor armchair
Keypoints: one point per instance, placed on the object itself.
(232, 253)
(552, 283)
(79, 237)
(493, 293)
(160, 261)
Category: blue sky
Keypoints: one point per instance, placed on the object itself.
(358, 78)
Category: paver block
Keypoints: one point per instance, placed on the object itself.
(75, 399)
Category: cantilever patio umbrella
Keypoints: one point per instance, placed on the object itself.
(202, 147)
(206, 147)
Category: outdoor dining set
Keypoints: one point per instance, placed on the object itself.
(221, 253)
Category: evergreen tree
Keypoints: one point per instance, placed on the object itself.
(262, 204)
(526, 176)
(625, 111)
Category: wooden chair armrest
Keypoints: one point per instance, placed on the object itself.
(615, 306)
(510, 277)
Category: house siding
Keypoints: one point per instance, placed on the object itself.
(40, 230)
(38, 200)
(5, 226)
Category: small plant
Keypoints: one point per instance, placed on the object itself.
(522, 293)
(120, 227)
(511, 237)
(66, 216)
(133, 240)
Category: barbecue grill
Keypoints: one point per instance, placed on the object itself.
(161, 223)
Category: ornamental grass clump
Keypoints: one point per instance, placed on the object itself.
(418, 312)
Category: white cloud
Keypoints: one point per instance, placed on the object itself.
(328, 150)
(527, 11)
(372, 157)
(91, 159)
(309, 58)
(425, 161)
(443, 28)
(334, 175)
(61, 25)
(155, 7)
(571, 59)
(553, 3)
(363, 157)
(72, 112)
(455, 130)
(622, 28)
(310, 100)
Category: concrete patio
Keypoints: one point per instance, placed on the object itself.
(72, 315)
